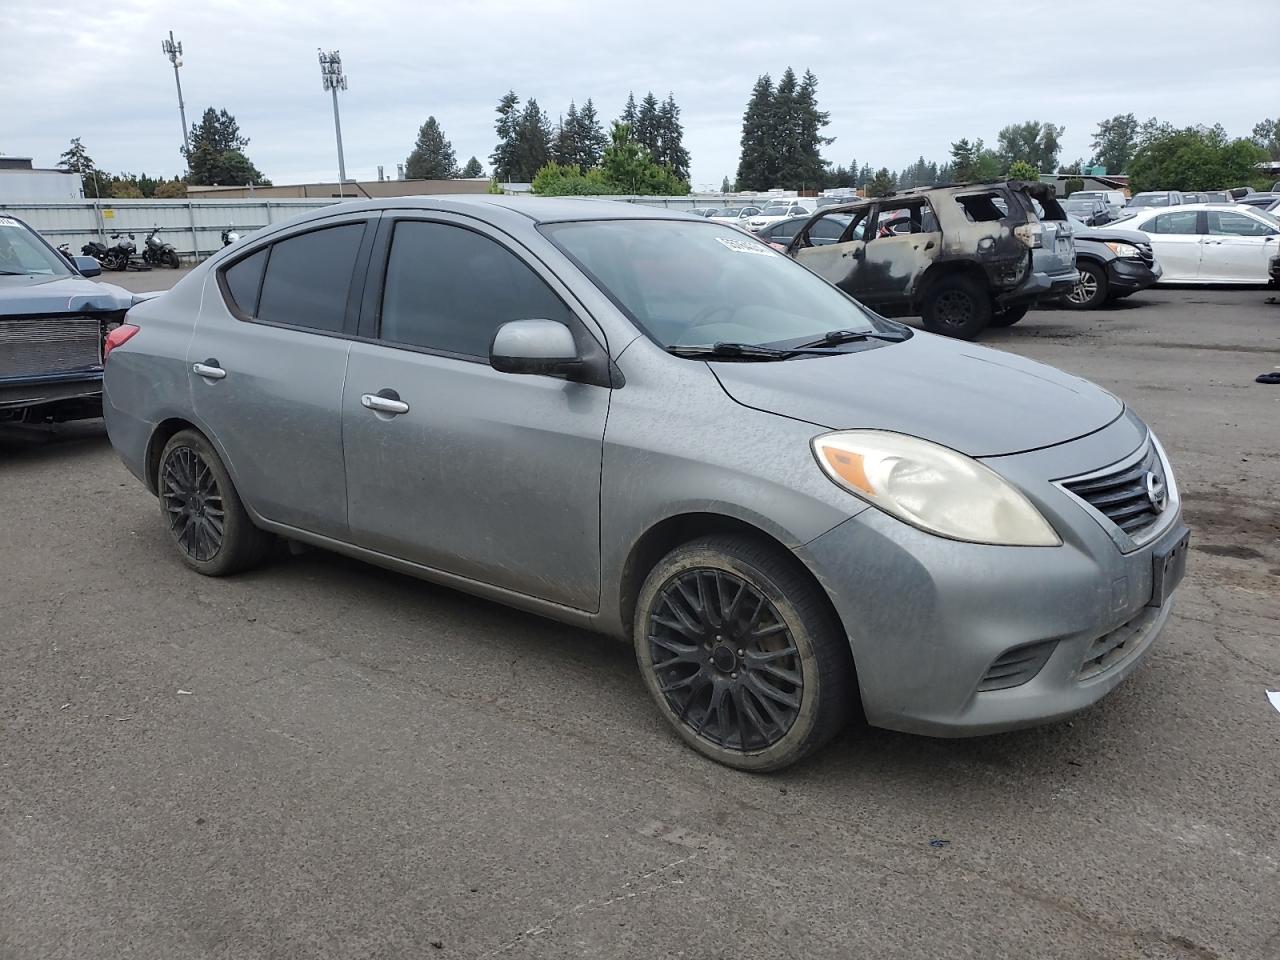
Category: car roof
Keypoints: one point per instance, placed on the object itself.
(492, 206)
(1194, 207)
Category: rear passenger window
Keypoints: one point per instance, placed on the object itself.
(981, 207)
(1184, 222)
(449, 289)
(243, 280)
(309, 278)
(1237, 225)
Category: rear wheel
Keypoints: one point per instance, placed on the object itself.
(957, 306)
(170, 259)
(1009, 316)
(208, 522)
(1090, 290)
(742, 653)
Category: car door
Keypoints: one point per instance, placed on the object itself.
(1237, 247)
(1176, 240)
(266, 367)
(486, 475)
(902, 242)
(839, 262)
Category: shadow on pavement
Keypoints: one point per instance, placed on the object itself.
(31, 442)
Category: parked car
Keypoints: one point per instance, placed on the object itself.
(1210, 244)
(1263, 201)
(737, 216)
(53, 324)
(1154, 198)
(1208, 196)
(651, 426)
(1113, 264)
(776, 210)
(829, 230)
(1093, 212)
(1115, 199)
(961, 257)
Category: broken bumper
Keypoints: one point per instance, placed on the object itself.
(35, 391)
(1040, 286)
(1130, 276)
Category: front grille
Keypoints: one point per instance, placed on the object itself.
(41, 346)
(1112, 648)
(1121, 495)
(1015, 667)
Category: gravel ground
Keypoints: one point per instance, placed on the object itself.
(324, 759)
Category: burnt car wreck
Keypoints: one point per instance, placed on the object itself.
(962, 257)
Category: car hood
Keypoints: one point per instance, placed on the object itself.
(27, 294)
(982, 402)
(1104, 233)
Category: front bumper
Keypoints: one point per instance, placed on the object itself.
(927, 618)
(1130, 276)
(37, 391)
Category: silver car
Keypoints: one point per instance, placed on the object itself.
(655, 427)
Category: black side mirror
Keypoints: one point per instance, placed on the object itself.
(87, 266)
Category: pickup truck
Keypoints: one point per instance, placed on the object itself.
(54, 322)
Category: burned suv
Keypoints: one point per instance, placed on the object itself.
(962, 257)
(53, 326)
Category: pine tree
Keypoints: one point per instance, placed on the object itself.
(432, 157)
(784, 130)
(217, 152)
(758, 162)
(629, 111)
(881, 184)
(566, 148)
(532, 143)
(807, 166)
(592, 140)
(864, 175)
(671, 151)
(76, 159)
(472, 170)
(503, 157)
(963, 160)
(646, 130)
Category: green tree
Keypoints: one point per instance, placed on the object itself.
(1021, 170)
(804, 167)
(964, 160)
(1114, 143)
(564, 142)
(1031, 142)
(472, 170)
(503, 157)
(758, 161)
(217, 154)
(532, 142)
(671, 151)
(628, 166)
(1193, 158)
(629, 113)
(592, 139)
(432, 156)
(1265, 134)
(175, 189)
(76, 159)
(567, 180)
(125, 189)
(646, 131)
(1076, 167)
(881, 184)
(1072, 185)
(864, 176)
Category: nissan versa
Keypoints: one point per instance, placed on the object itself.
(656, 426)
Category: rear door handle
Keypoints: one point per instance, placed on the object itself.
(384, 401)
(209, 369)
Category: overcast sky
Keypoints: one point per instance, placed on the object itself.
(899, 80)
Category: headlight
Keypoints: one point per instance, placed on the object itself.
(933, 488)
(1122, 249)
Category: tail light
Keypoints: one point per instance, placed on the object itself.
(1032, 234)
(121, 334)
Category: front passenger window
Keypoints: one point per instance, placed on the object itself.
(449, 289)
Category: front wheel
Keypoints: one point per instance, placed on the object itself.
(1009, 316)
(742, 653)
(207, 520)
(957, 306)
(1090, 290)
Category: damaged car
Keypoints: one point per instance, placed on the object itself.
(961, 257)
(54, 324)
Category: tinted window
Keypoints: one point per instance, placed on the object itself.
(1237, 225)
(309, 277)
(450, 289)
(1184, 222)
(243, 280)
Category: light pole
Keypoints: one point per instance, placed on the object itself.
(334, 80)
(173, 50)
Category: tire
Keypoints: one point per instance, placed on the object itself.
(772, 707)
(170, 259)
(1009, 316)
(957, 306)
(1091, 290)
(194, 487)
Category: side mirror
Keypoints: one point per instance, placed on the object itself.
(543, 347)
(87, 266)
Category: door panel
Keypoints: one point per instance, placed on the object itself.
(487, 475)
(1236, 248)
(892, 265)
(1177, 240)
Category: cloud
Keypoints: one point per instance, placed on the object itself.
(898, 82)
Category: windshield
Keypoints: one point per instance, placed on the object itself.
(1074, 206)
(1152, 200)
(729, 211)
(776, 210)
(698, 284)
(24, 254)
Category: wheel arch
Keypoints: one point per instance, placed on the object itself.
(164, 431)
(944, 270)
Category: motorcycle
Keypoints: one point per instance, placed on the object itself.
(229, 237)
(156, 251)
(118, 254)
(65, 250)
(95, 249)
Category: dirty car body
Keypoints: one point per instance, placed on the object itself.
(649, 418)
(53, 323)
(907, 253)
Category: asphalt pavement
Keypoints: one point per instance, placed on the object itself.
(324, 759)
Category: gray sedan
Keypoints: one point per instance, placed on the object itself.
(655, 427)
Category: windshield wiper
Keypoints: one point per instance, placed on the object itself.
(835, 337)
(730, 351)
(13, 273)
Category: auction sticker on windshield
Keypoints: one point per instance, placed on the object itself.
(747, 246)
(8, 222)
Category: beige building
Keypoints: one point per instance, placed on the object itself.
(352, 190)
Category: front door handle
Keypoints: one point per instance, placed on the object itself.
(210, 369)
(384, 401)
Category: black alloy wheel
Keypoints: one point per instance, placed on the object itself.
(725, 660)
(193, 503)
